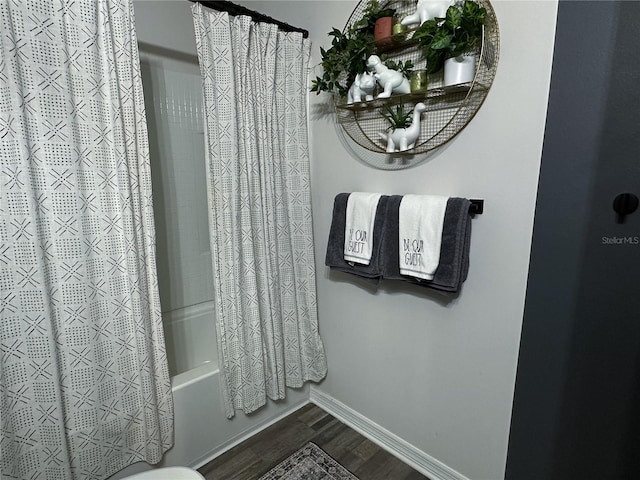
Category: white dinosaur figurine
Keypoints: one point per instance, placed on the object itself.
(391, 81)
(362, 85)
(402, 139)
(426, 10)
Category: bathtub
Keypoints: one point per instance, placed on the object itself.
(202, 431)
(190, 338)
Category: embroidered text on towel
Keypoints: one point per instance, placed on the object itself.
(360, 220)
(421, 219)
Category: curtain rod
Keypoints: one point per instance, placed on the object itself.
(233, 9)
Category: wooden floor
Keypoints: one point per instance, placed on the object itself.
(258, 454)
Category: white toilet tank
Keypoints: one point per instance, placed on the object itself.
(168, 473)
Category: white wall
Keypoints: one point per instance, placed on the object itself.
(439, 375)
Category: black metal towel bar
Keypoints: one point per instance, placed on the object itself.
(476, 207)
(233, 9)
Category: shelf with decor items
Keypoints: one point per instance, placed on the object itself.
(435, 98)
(441, 106)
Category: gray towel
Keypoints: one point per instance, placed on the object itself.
(454, 254)
(335, 246)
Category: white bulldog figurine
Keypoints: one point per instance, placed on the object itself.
(391, 81)
(362, 85)
(426, 10)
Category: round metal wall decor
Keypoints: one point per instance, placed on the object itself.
(446, 109)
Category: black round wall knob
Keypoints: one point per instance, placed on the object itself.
(624, 204)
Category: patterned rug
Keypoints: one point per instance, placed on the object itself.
(309, 463)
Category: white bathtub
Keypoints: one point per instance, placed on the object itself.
(202, 431)
(190, 338)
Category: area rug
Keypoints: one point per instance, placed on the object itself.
(309, 463)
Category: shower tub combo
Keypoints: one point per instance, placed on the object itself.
(173, 100)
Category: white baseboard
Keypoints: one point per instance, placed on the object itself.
(417, 459)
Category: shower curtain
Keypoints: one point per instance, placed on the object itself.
(84, 383)
(255, 100)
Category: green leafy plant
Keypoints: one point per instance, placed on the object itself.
(403, 67)
(429, 36)
(344, 60)
(349, 51)
(398, 117)
(459, 32)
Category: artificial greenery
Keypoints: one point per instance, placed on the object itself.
(344, 60)
(349, 51)
(398, 118)
(403, 67)
(459, 32)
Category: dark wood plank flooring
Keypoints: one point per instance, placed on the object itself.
(258, 454)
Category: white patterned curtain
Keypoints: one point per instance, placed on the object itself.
(84, 383)
(255, 99)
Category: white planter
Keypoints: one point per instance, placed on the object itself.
(461, 69)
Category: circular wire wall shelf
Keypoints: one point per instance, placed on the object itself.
(449, 108)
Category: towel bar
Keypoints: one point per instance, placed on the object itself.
(476, 207)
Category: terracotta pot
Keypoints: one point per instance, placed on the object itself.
(383, 31)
